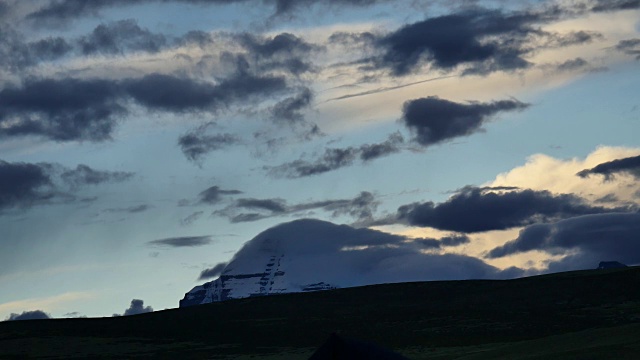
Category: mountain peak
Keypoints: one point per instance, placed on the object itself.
(310, 255)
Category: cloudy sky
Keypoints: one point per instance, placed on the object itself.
(144, 142)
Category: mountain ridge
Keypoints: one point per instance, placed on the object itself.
(419, 319)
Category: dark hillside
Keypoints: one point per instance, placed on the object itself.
(426, 315)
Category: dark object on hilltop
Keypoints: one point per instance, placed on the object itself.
(339, 348)
(611, 265)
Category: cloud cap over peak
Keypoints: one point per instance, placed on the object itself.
(358, 256)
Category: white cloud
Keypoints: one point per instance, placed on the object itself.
(544, 172)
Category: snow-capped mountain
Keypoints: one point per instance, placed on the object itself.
(310, 255)
(271, 263)
(271, 279)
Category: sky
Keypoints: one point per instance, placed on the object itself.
(143, 143)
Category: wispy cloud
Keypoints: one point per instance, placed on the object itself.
(362, 208)
(23, 185)
(336, 158)
(49, 304)
(183, 241)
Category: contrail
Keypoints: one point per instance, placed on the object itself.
(379, 90)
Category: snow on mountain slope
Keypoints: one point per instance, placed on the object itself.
(310, 255)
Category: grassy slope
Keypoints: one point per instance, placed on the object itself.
(575, 314)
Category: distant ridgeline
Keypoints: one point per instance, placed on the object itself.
(610, 265)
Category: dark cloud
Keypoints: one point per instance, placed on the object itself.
(475, 209)
(50, 48)
(572, 38)
(332, 159)
(83, 175)
(198, 142)
(17, 53)
(212, 272)
(474, 40)
(245, 217)
(454, 240)
(629, 47)
(434, 120)
(607, 199)
(361, 207)
(586, 240)
(284, 51)
(72, 109)
(244, 86)
(61, 110)
(446, 241)
(4, 9)
(29, 315)
(119, 37)
(197, 37)
(191, 218)
(24, 185)
(614, 5)
(269, 47)
(272, 205)
(288, 6)
(482, 40)
(572, 65)
(171, 93)
(107, 39)
(136, 307)
(213, 195)
(630, 165)
(336, 158)
(429, 243)
(74, 314)
(290, 109)
(56, 13)
(130, 209)
(61, 11)
(352, 39)
(373, 151)
(185, 241)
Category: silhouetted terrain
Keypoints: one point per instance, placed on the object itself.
(584, 314)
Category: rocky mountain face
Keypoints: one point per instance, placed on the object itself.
(234, 284)
(279, 260)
